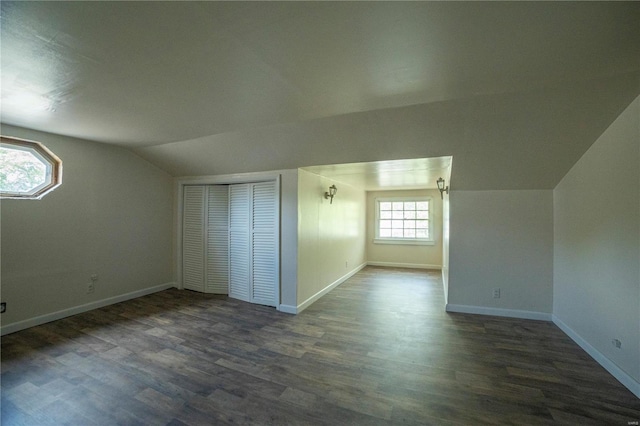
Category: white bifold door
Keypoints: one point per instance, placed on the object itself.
(230, 241)
(205, 238)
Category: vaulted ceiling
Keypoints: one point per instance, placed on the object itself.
(514, 91)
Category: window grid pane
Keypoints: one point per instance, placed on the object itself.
(410, 214)
(403, 219)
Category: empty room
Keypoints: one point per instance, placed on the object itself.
(320, 213)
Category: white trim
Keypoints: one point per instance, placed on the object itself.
(42, 319)
(445, 287)
(403, 241)
(230, 178)
(498, 312)
(304, 305)
(405, 265)
(624, 378)
(288, 309)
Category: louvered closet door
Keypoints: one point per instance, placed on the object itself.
(217, 247)
(240, 242)
(264, 244)
(193, 236)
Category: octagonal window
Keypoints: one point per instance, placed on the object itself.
(28, 170)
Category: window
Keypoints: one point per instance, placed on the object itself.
(403, 221)
(28, 170)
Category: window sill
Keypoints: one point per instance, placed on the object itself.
(404, 242)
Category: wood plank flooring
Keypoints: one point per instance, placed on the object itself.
(378, 350)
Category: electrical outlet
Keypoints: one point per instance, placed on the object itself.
(346, 264)
(496, 293)
(3, 307)
(616, 343)
(91, 287)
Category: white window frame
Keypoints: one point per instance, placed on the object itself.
(396, 240)
(53, 165)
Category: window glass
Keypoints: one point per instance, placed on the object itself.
(403, 219)
(27, 169)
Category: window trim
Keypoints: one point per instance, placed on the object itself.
(53, 164)
(403, 241)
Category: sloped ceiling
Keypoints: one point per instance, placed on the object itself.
(514, 91)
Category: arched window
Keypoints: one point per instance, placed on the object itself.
(28, 170)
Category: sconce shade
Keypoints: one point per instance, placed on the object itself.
(331, 193)
(441, 187)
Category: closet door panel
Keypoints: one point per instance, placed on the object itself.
(264, 279)
(217, 266)
(239, 242)
(264, 244)
(193, 228)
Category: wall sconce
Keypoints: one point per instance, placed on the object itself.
(442, 188)
(331, 193)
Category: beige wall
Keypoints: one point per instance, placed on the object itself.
(112, 216)
(597, 247)
(331, 237)
(417, 256)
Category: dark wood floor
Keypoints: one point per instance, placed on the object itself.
(379, 349)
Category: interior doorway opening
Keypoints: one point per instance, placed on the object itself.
(337, 247)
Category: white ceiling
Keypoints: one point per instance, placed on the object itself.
(165, 77)
(415, 173)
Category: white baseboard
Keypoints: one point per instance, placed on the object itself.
(498, 312)
(304, 305)
(42, 319)
(288, 309)
(445, 286)
(405, 265)
(628, 381)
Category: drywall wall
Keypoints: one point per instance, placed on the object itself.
(289, 237)
(555, 124)
(403, 255)
(331, 237)
(597, 245)
(112, 216)
(501, 239)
